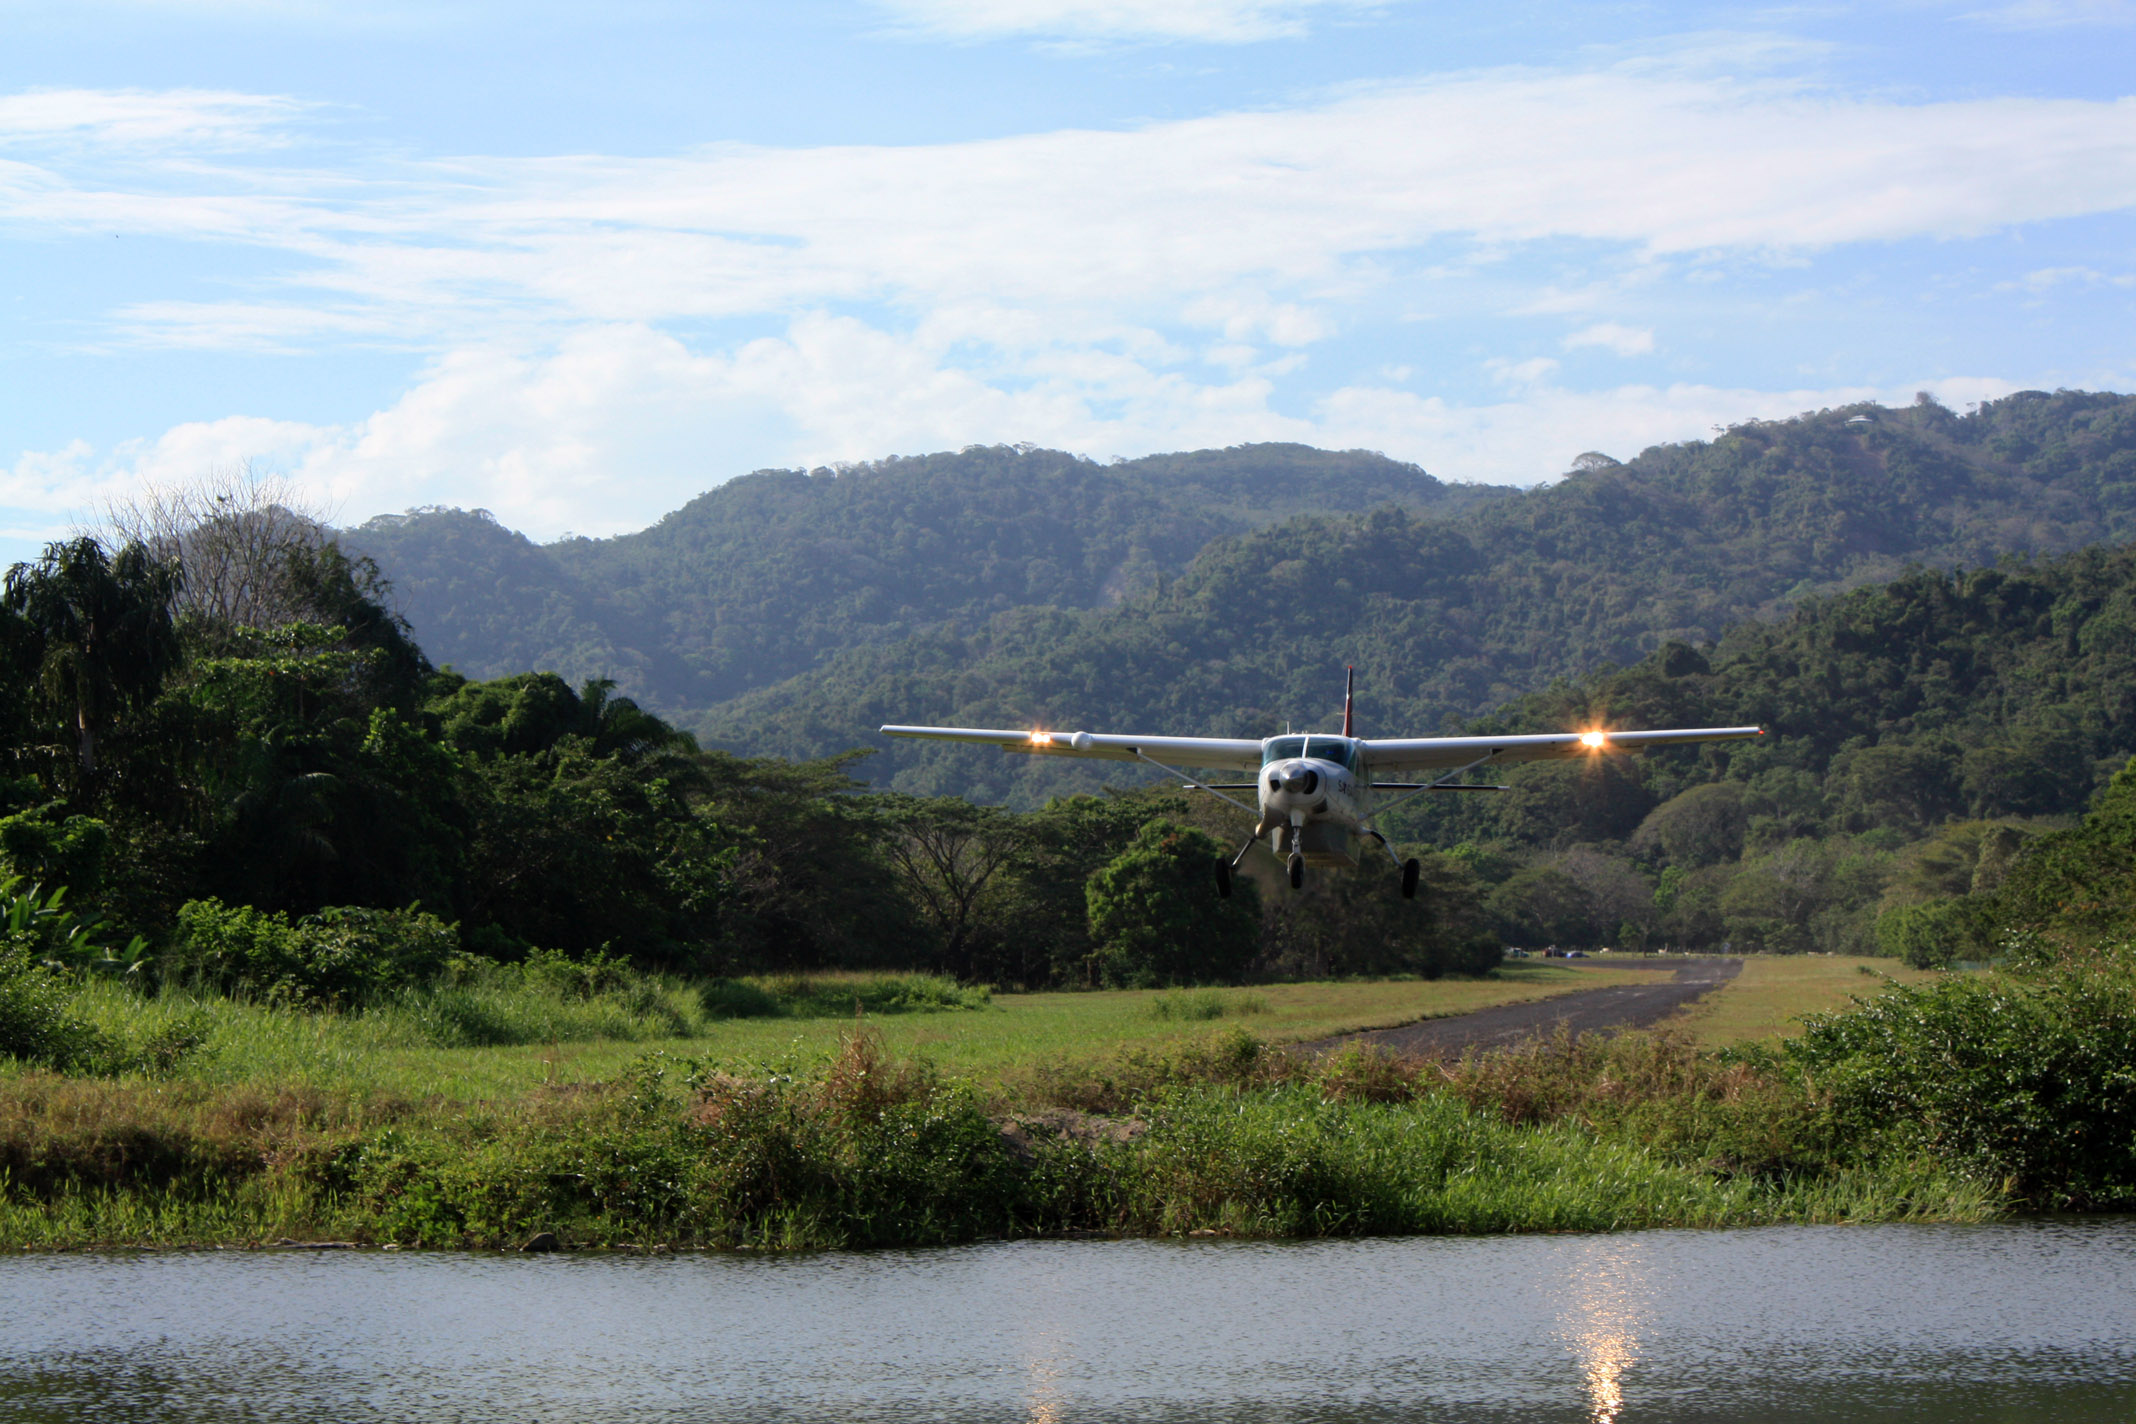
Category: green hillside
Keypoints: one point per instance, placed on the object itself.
(1919, 735)
(1447, 618)
(766, 575)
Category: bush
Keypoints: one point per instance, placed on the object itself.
(36, 845)
(339, 955)
(737, 999)
(799, 996)
(2029, 1084)
(1205, 1004)
(1931, 935)
(1156, 918)
(37, 1021)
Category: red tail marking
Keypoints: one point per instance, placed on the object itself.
(1349, 686)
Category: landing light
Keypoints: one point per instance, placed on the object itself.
(1593, 741)
(1042, 739)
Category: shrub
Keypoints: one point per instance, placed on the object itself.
(1931, 935)
(37, 1021)
(341, 954)
(2029, 1084)
(799, 996)
(737, 999)
(35, 844)
(1205, 1004)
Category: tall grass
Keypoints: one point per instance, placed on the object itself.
(802, 996)
(860, 1149)
(1195, 1004)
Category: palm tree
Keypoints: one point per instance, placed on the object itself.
(101, 630)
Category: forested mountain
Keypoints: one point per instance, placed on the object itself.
(1447, 618)
(1918, 735)
(764, 576)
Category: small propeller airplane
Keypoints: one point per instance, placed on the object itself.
(1316, 790)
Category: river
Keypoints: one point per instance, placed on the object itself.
(2027, 1321)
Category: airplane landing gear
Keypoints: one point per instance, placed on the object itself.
(1410, 870)
(1223, 878)
(1297, 871)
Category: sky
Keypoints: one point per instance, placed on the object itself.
(576, 264)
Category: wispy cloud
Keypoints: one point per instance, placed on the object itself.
(1205, 21)
(1109, 291)
(163, 119)
(2055, 14)
(1624, 340)
(1292, 210)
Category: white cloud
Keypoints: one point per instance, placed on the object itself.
(143, 118)
(1624, 340)
(1056, 287)
(1537, 434)
(1294, 214)
(1531, 372)
(1208, 21)
(2056, 14)
(618, 425)
(2047, 278)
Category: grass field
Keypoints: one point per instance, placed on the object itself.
(382, 1053)
(1768, 999)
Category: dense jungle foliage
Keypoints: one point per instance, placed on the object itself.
(309, 813)
(1927, 740)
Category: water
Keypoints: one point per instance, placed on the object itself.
(2009, 1322)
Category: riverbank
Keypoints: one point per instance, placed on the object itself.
(1881, 1114)
(1216, 1136)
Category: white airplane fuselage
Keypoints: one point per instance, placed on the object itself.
(1315, 794)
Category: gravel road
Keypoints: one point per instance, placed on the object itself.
(1606, 1010)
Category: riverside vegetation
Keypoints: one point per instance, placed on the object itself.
(259, 856)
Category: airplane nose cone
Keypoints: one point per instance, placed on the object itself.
(1303, 782)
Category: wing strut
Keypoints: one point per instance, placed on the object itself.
(1253, 811)
(1439, 785)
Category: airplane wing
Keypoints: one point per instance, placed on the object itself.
(1173, 751)
(1415, 754)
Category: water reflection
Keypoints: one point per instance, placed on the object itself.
(1904, 1325)
(1606, 1292)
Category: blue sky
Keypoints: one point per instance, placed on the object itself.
(576, 264)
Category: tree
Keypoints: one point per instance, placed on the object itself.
(1156, 918)
(103, 629)
(948, 855)
(234, 531)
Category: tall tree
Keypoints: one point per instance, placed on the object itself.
(103, 629)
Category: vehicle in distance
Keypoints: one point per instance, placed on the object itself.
(1319, 793)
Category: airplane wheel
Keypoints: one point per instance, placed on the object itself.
(1223, 878)
(1297, 871)
(1410, 871)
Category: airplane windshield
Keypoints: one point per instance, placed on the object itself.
(1335, 749)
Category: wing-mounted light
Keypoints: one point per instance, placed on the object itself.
(1594, 741)
(1042, 739)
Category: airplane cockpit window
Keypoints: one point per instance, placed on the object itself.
(1339, 750)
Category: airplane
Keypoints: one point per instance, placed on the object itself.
(1316, 789)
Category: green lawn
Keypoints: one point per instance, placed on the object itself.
(247, 1043)
(1768, 999)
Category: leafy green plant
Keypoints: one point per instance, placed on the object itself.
(340, 955)
(2029, 1083)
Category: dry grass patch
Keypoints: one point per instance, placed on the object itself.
(1769, 998)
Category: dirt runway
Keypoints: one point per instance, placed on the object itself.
(1606, 1010)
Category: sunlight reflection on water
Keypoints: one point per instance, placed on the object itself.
(1604, 1300)
(1905, 1325)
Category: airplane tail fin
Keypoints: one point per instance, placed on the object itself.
(1349, 687)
